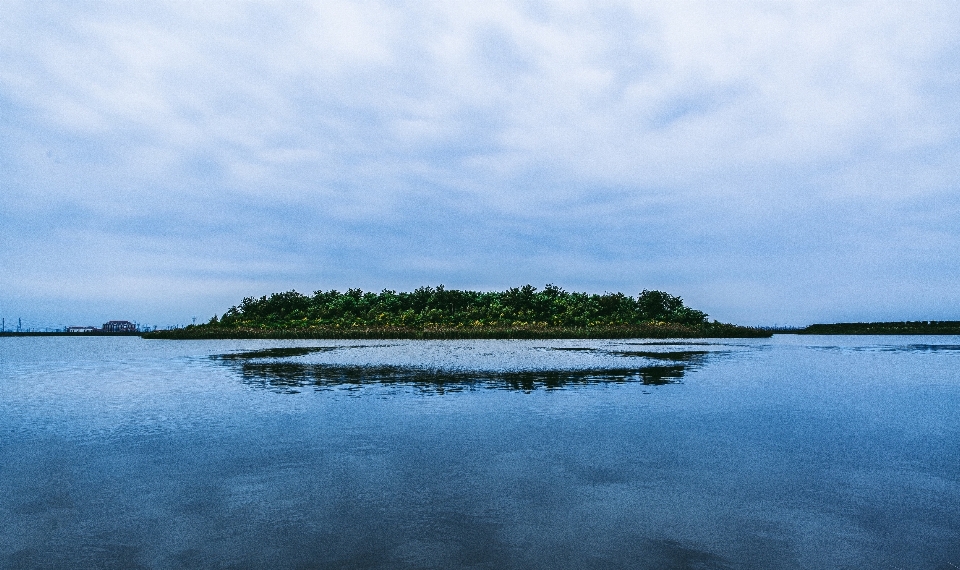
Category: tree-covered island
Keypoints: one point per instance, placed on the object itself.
(440, 313)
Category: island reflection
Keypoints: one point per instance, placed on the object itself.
(275, 369)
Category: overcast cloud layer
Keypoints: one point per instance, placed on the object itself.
(787, 162)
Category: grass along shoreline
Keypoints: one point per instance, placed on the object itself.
(648, 330)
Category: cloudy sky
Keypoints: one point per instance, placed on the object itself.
(770, 162)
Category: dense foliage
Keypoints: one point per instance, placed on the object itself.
(439, 307)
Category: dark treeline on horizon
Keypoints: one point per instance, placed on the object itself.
(887, 328)
(437, 306)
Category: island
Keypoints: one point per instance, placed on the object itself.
(440, 313)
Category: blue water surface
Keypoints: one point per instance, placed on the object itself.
(790, 452)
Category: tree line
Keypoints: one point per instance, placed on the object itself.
(441, 307)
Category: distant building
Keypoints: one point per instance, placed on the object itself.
(119, 326)
(80, 329)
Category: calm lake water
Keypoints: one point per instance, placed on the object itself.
(790, 452)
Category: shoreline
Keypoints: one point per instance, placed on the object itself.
(653, 331)
(657, 331)
(64, 333)
(885, 328)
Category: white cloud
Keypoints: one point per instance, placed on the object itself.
(693, 127)
(664, 89)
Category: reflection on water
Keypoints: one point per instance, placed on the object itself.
(280, 370)
(693, 356)
(276, 352)
(285, 376)
(671, 343)
(117, 452)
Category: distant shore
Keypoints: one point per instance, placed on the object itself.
(885, 328)
(64, 333)
(654, 330)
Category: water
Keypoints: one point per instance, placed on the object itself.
(790, 452)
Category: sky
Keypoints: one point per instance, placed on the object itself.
(772, 163)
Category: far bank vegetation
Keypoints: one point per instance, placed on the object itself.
(437, 312)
